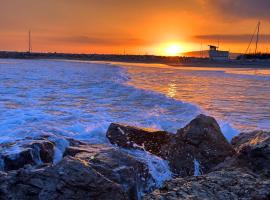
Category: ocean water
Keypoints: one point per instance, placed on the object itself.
(80, 99)
(238, 98)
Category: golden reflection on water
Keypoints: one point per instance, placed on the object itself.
(171, 90)
(221, 92)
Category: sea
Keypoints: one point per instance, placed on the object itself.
(79, 99)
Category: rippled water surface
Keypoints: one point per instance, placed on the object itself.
(240, 97)
(80, 99)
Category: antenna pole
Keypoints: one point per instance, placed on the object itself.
(257, 38)
(29, 42)
(218, 42)
(201, 51)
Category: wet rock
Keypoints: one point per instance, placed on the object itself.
(201, 141)
(86, 172)
(235, 184)
(26, 152)
(69, 179)
(138, 138)
(116, 165)
(252, 151)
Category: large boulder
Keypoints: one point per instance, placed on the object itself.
(15, 155)
(138, 138)
(86, 172)
(117, 166)
(200, 144)
(235, 184)
(252, 151)
(69, 179)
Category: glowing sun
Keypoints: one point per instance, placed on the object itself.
(173, 50)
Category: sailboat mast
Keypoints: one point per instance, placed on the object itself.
(257, 38)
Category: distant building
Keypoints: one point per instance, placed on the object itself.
(215, 54)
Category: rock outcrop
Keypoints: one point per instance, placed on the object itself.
(52, 167)
(17, 154)
(200, 141)
(138, 138)
(244, 176)
(86, 172)
(69, 179)
(252, 152)
(217, 185)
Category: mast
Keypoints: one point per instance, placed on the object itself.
(257, 29)
(29, 42)
(257, 38)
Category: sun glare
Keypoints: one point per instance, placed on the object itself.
(172, 50)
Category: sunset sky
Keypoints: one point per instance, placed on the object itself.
(132, 27)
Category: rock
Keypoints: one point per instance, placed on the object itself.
(235, 184)
(201, 141)
(137, 138)
(26, 152)
(253, 151)
(132, 174)
(69, 179)
(86, 172)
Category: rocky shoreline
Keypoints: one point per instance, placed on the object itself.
(203, 163)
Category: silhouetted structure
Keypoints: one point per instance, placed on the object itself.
(215, 54)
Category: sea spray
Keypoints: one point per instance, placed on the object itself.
(158, 168)
(36, 155)
(197, 168)
(228, 130)
(2, 164)
(60, 146)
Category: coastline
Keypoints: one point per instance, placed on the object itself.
(175, 61)
(198, 156)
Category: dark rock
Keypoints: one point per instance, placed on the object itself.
(23, 152)
(137, 138)
(69, 179)
(131, 174)
(201, 141)
(217, 185)
(86, 172)
(252, 151)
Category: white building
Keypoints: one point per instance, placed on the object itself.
(215, 54)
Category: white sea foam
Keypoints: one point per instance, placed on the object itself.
(60, 146)
(228, 131)
(197, 168)
(158, 168)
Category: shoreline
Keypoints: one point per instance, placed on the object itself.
(147, 59)
(197, 155)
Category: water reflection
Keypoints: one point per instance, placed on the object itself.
(238, 96)
(171, 90)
